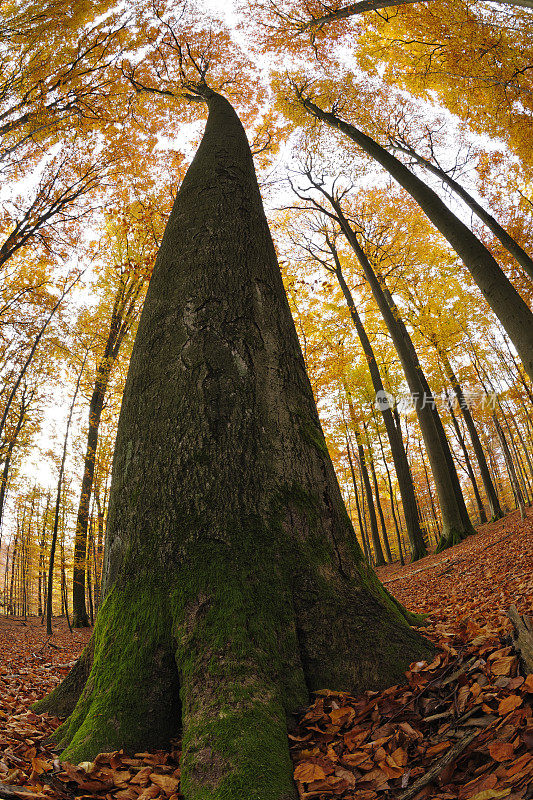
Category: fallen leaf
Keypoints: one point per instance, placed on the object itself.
(308, 772)
(501, 751)
(509, 704)
(165, 782)
(491, 794)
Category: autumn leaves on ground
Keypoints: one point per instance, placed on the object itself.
(460, 727)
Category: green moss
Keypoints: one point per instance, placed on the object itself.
(451, 538)
(131, 650)
(254, 758)
(312, 434)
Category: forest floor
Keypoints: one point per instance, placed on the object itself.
(460, 727)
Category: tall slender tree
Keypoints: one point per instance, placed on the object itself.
(512, 311)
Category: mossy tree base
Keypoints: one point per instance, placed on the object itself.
(452, 538)
(229, 653)
(418, 551)
(233, 579)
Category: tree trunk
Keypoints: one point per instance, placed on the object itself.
(378, 500)
(55, 528)
(401, 465)
(515, 485)
(455, 522)
(362, 6)
(79, 609)
(379, 558)
(356, 493)
(512, 246)
(462, 444)
(232, 572)
(488, 485)
(391, 495)
(513, 313)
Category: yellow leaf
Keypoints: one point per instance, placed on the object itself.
(509, 704)
(491, 794)
(306, 772)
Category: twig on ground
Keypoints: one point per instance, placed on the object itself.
(523, 637)
(439, 765)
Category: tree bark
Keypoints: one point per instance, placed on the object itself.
(378, 499)
(455, 521)
(379, 558)
(462, 444)
(121, 320)
(510, 244)
(401, 465)
(515, 484)
(488, 485)
(55, 528)
(362, 6)
(512, 311)
(356, 493)
(232, 572)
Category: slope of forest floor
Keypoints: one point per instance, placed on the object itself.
(460, 727)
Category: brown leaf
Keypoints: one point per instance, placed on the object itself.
(39, 766)
(346, 775)
(121, 778)
(342, 716)
(509, 704)
(502, 666)
(491, 794)
(501, 751)
(308, 771)
(165, 782)
(142, 777)
(435, 749)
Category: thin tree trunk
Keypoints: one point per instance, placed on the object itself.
(121, 319)
(378, 498)
(456, 524)
(379, 558)
(399, 457)
(24, 403)
(362, 6)
(391, 494)
(366, 539)
(90, 550)
(515, 485)
(512, 246)
(29, 359)
(488, 485)
(479, 503)
(356, 492)
(53, 543)
(513, 313)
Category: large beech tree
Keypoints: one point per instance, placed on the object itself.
(234, 584)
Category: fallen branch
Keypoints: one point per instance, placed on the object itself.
(523, 637)
(439, 765)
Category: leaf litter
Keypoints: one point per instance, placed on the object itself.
(459, 728)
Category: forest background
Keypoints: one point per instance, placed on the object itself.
(97, 132)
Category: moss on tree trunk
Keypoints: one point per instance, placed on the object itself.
(234, 583)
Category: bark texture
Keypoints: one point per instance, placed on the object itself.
(511, 245)
(123, 314)
(232, 571)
